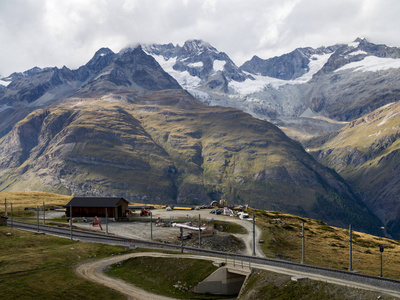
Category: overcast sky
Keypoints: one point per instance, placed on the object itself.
(48, 33)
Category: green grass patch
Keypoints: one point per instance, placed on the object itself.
(228, 227)
(172, 277)
(325, 228)
(267, 285)
(41, 267)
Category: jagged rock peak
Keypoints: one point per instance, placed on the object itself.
(103, 52)
(359, 40)
(17, 75)
(198, 47)
(130, 48)
(158, 49)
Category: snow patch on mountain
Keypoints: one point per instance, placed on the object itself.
(198, 64)
(372, 64)
(186, 80)
(358, 52)
(354, 44)
(4, 83)
(252, 86)
(219, 65)
(4, 107)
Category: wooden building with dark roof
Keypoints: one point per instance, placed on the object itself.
(117, 208)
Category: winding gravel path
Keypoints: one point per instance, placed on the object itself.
(93, 271)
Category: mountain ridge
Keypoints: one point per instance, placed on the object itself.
(299, 93)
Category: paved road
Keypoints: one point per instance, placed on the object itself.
(93, 271)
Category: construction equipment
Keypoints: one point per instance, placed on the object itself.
(145, 213)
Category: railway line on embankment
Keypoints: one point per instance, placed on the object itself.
(380, 284)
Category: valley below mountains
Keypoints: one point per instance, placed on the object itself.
(172, 124)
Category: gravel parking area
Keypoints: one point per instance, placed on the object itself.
(142, 229)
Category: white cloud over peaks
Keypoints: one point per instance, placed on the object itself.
(56, 33)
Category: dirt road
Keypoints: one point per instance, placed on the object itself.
(93, 271)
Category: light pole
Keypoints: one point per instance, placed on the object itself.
(254, 236)
(381, 249)
(199, 232)
(351, 250)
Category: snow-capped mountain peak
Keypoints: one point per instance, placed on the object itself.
(197, 65)
(197, 47)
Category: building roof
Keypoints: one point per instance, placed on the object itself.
(94, 202)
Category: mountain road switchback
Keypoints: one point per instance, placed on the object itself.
(93, 271)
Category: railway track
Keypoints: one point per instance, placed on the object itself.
(388, 284)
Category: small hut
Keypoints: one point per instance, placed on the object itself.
(116, 208)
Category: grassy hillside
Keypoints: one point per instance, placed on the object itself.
(20, 200)
(41, 267)
(325, 245)
(270, 286)
(366, 153)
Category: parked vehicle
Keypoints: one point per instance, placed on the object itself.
(243, 215)
(185, 236)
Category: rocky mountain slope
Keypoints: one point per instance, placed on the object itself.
(366, 153)
(38, 88)
(126, 128)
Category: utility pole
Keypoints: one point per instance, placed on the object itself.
(351, 250)
(181, 229)
(5, 206)
(37, 217)
(70, 220)
(302, 244)
(44, 214)
(199, 232)
(151, 226)
(11, 215)
(254, 236)
(106, 220)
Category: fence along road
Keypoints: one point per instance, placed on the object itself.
(380, 284)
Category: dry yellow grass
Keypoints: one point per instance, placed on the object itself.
(325, 245)
(157, 206)
(20, 200)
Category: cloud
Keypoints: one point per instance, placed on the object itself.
(56, 33)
